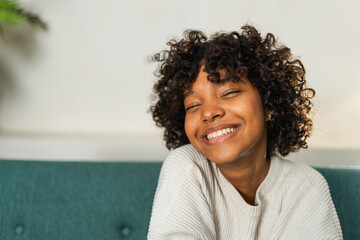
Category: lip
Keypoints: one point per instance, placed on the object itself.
(222, 138)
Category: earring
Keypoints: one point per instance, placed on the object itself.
(269, 115)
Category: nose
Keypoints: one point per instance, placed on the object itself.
(212, 111)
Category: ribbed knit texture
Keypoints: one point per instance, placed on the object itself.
(194, 201)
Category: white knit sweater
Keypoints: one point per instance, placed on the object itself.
(194, 201)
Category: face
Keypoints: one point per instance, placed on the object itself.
(225, 122)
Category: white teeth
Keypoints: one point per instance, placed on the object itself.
(220, 133)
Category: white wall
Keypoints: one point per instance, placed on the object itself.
(87, 79)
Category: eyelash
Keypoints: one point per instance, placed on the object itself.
(192, 106)
(228, 93)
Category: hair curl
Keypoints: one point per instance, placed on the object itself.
(279, 78)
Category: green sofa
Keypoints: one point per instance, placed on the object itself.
(111, 200)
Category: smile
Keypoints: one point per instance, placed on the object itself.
(220, 133)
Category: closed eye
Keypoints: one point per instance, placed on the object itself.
(192, 106)
(231, 93)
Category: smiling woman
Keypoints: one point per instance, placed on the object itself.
(240, 101)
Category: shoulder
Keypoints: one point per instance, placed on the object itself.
(181, 203)
(301, 174)
(306, 195)
(184, 157)
(187, 152)
(184, 166)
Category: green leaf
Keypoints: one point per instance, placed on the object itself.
(32, 18)
(11, 18)
(12, 13)
(9, 4)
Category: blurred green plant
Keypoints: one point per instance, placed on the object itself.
(13, 14)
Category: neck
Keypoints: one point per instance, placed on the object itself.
(246, 174)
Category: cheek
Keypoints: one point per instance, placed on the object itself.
(188, 127)
(256, 106)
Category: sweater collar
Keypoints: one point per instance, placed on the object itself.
(234, 196)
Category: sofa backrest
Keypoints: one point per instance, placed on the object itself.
(344, 186)
(111, 200)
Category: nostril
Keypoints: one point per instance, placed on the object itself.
(211, 118)
(215, 116)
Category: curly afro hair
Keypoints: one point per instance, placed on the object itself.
(279, 78)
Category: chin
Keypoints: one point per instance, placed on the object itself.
(228, 154)
(223, 159)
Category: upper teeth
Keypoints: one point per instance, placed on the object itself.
(220, 133)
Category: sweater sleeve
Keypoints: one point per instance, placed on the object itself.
(180, 208)
(310, 214)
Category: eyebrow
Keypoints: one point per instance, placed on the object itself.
(240, 81)
(188, 94)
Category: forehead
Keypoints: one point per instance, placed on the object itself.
(201, 83)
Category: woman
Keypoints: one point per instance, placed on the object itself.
(230, 105)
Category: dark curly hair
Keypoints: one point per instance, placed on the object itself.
(272, 70)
